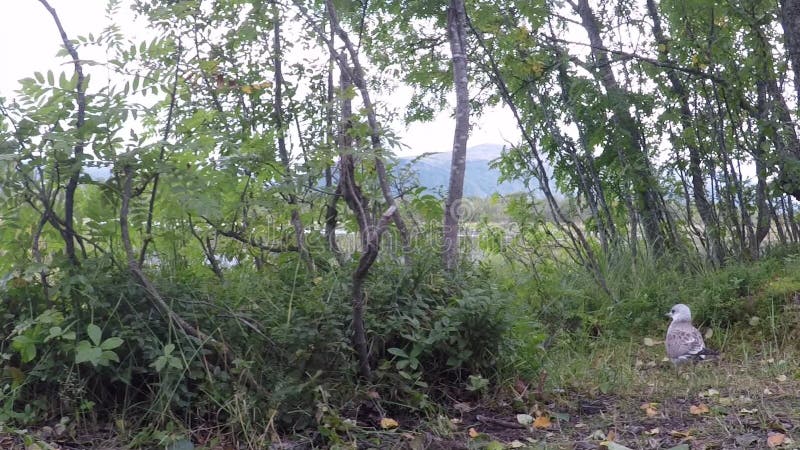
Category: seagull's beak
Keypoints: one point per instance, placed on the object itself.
(668, 315)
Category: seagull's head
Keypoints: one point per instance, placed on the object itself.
(680, 313)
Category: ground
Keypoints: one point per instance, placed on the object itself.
(614, 397)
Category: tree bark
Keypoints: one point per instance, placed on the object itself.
(456, 33)
(68, 231)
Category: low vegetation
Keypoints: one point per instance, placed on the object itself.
(253, 273)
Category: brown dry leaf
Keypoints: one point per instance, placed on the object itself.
(473, 433)
(649, 409)
(542, 422)
(699, 409)
(388, 423)
(463, 407)
(680, 434)
(373, 395)
(611, 435)
(653, 432)
(775, 439)
(520, 386)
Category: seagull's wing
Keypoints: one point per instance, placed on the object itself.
(685, 343)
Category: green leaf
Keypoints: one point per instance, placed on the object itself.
(111, 343)
(175, 363)
(94, 333)
(85, 352)
(25, 346)
(169, 348)
(108, 355)
(50, 78)
(398, 352)
(159, 363)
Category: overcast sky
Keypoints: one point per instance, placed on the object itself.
(30, 42)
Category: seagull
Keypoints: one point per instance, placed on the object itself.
(684, 343)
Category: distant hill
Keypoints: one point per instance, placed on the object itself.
(480, 180)
(432, 171)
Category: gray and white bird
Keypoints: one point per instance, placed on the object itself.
(684, 342)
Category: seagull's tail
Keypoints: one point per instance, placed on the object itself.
(705, 354)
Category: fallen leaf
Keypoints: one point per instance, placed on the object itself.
(781, 378)
(611, 445)
(680, 434)
(680, 447)
(525, 419)
(542, 422)
(463, 407)
(748, 411)
(725, 401)
(649, 409)
(597, 435)
(746, 440)
(653, 432)
(388, 423)
(709, 333)
(373, 395)
(754, 321)
(516, 444)
(710, 393)
(473, 433)
(699, 409)
(767, 391)
(775, 439)
(520, 386)
(649, 342)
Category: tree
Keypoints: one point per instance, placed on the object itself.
(457, 35)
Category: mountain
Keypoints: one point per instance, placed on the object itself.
(480, 180)
(432, 171)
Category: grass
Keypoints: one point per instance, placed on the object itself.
(603, 393)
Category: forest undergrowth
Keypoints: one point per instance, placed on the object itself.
(495, 357)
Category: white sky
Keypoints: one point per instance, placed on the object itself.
(30, 41)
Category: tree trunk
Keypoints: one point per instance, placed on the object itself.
(283, 153)
(632, 156)
(68, 230)
(790, 20)
(456, 33)
(704, 208)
